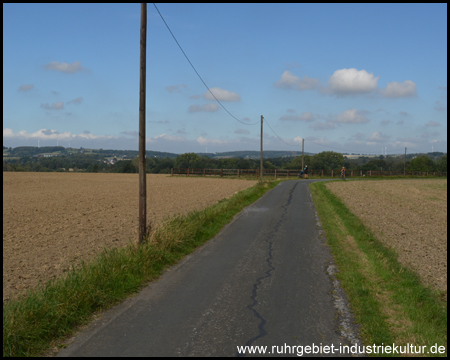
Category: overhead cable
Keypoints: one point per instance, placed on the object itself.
(198, 73)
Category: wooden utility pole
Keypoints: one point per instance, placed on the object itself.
(261, 165)
(404, 168)
(142, 175)
(303, 154)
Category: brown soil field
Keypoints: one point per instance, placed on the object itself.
(51, 220)
(409, 216)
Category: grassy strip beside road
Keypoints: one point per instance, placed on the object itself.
(388, 300)
(41, 318)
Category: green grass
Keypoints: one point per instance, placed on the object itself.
(43, 317)
(388, 300)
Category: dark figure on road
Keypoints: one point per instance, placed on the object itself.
(305, 171)
(343, 173)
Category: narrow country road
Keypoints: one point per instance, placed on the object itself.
(262, 281)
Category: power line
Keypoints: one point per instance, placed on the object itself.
(197, 71)
(277, 134)
(207, 87)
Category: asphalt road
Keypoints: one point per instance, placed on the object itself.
(262, 281)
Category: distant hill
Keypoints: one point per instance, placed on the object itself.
(24, 151)
(255, 154)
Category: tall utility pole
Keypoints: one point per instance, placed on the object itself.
(404, 168)
(142, 175)
(303, 154)
(261, 165)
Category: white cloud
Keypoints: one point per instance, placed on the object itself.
(377, 137)
(395, 89)
(221, 95)
(55, 106)
(47, 134)
(291, 81)
(27, 87)
(42, 134)
(352, 82)
(65, 67)
(351, 116)
(176, 88)
(306, 116)
(77, 101)
(205, 141)
(206, 107)
(357, 137)
(432, 123)
(166, 137)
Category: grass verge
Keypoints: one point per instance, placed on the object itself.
(388, 300)
(36, 321)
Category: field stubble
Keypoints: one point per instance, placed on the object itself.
(53, 220)
(409, 216)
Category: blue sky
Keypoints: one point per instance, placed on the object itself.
(363, 78)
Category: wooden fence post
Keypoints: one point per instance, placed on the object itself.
(171, 172)
(238, 174)
(288, 173)
(332, 173)
(275, 174)
(221, 172)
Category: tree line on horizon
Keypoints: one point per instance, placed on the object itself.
(327, 160)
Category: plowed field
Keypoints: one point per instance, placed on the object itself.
(409, 216)
(51, 220)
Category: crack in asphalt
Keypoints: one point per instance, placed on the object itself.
(268, 273)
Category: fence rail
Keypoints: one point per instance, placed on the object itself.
(277, 173)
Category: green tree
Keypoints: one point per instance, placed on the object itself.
(327, 160)
(297, 162)
(187, 160)
(227, 164)
(163, 166)
(268, 165)
(149, 164)
(243, 164)
(421, 163)
(442, 164)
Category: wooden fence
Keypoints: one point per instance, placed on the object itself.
(279, 173)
